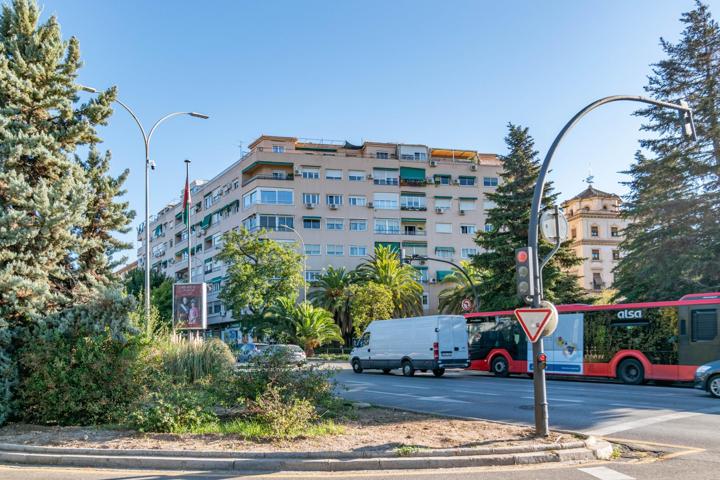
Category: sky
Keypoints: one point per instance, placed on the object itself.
(444, 73)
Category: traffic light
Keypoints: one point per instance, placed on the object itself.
(541, 361)
(524, 273)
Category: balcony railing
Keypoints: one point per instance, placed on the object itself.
(414, 208)
(264, 176)
(413, 182)
(387, 231)
(386, 181)
(415, 233)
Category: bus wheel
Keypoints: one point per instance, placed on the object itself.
(631, 371)
(500, 366)
(713, 386)
(357, 368)
(408, 369)
(438, 372)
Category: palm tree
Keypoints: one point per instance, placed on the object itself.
(458, 289)
(314, 326)
(385, 268)
(331, 292)
(278, 319)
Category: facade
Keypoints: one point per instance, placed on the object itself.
(123, 271)
(596, 229)
(337, 201)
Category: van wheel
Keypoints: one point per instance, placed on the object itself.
(631, 371)
(357, 368)
(500, 366)
(438, 372)
(713, 386)
(386, 371)
(407, 368)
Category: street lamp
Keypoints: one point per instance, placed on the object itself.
(536, 294)
(302, 242)
(148, 166)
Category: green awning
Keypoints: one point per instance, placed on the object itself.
(208, 260)
(441, 175)
(205, 224)
(468, 198)
(444, 249)
(410, 173)
(158, 230)
(182, 252)
(412, 194)
(179, 215)
(414, 244)
(311, 218)
(413, 220)
(441, 274)
(443, 196)
(393, 245)
(420, 267)
(216, 280)
(265, 162)
(384, 169)
(468, 176)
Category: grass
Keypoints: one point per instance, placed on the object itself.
(250, 429)
(331, 356)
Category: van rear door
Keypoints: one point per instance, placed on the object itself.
(460, 338)
(445, 338)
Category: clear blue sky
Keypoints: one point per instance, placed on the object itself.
(446, 74)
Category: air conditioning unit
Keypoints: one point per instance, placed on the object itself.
(433, 163)
(370, 205)
(430, 180)
(433, 280)
(439, 210)
(369, 176)
(456, 181)
(473, 167)
(309, 205)
(333, 206)
(298, 171)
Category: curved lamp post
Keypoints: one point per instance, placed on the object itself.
(541, 406)
(148, 166)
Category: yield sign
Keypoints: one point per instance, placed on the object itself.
(534, 320)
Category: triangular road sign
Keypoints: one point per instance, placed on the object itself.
(533, 321)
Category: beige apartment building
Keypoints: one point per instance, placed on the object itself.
(336, 201)
(596, 229)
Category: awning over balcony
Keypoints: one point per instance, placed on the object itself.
(413, 220)
(410, 173)
(260, 163)
(205, 224)
(441, 274)
(414, 244)
(215, 280)
(311, 218)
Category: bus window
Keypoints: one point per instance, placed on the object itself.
(704, 325)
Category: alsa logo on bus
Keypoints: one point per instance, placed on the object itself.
(629, 314)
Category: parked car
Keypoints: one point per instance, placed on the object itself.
(296, 355)
(249, 350)
(434, 343)
(707, 377)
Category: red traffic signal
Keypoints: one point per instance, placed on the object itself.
(542, 358)
(522, 256)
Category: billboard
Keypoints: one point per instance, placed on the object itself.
(564, 348)
(190, 306)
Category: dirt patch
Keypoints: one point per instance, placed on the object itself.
(370, 429)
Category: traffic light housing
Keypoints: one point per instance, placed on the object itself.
(541, 361)
(524, 275)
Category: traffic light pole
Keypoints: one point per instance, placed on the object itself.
(541, 406)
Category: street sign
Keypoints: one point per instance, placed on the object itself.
(466, 304)
(537, 322)
(548, 226)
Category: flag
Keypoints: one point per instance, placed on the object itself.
(186, 200)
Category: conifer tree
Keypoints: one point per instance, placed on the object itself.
(49, 225)
(509, 219)
(673, 245)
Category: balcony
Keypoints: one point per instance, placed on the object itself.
(412, 182)
(387, 231)
(413, 208)
(268, 176)
(386, 181)
(414, 232)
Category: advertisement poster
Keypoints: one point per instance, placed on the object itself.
(564, 348)
(190, 306)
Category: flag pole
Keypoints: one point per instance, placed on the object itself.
(187, 218)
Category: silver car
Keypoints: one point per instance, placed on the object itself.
(295, 354)
(707, 377)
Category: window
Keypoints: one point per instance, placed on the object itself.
(425, 298)
(358, 250)
(415, 249)
(468, 252)
(409, 201)
(333, 199)
(467, 229)
(420, 156)
(616, 254)
(614, 232)
(443, 227)
(250, 222)
(382, 155)
(442, 179)
(334, 224)
(444, 252)
(278, 149)
(467, 181)
(597, 282)
(208, 265)
(490, 181)
(573, 232)
(357, 200)
(214, 287)
(488, 228)
(489, 205)
(215, 308)
(414, 229)
(383, 176)
(467, 204)
(333, 174)
(443, 203)
(335, 250)
(311, 223)
(596, 255)
(236, 183)
(358, 225)
(275, 222)
(208, 201)
(385, 201)
(594, 231)
(311, 198)
(356, 175)
(312, 173)
(217, 240)
(276, 196)
(386, 226)
(312, 275)
(312, 249)
(704, 325)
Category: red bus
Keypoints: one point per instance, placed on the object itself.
(633, 342)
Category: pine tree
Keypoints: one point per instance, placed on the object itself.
(45, 194)
(509, 219)
(673, 245)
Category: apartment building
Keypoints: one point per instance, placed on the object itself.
(335, 200)
(596, 229)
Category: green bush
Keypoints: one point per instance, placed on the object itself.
(189, 360)
(82, 380)
(175, 409)
(285, 417)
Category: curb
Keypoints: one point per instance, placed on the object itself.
(587, 450)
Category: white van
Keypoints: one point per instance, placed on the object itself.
(434, 343)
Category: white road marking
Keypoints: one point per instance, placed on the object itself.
(411, 386)
(644, 422)
(477, 393)
(604, 473)
(557, 399)
(390, 393)
(633, 405)
(416, 397)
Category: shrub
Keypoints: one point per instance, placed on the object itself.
(192, 360)
(173, 410)
(286, 417)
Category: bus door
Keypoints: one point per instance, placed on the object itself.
(699, 334)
